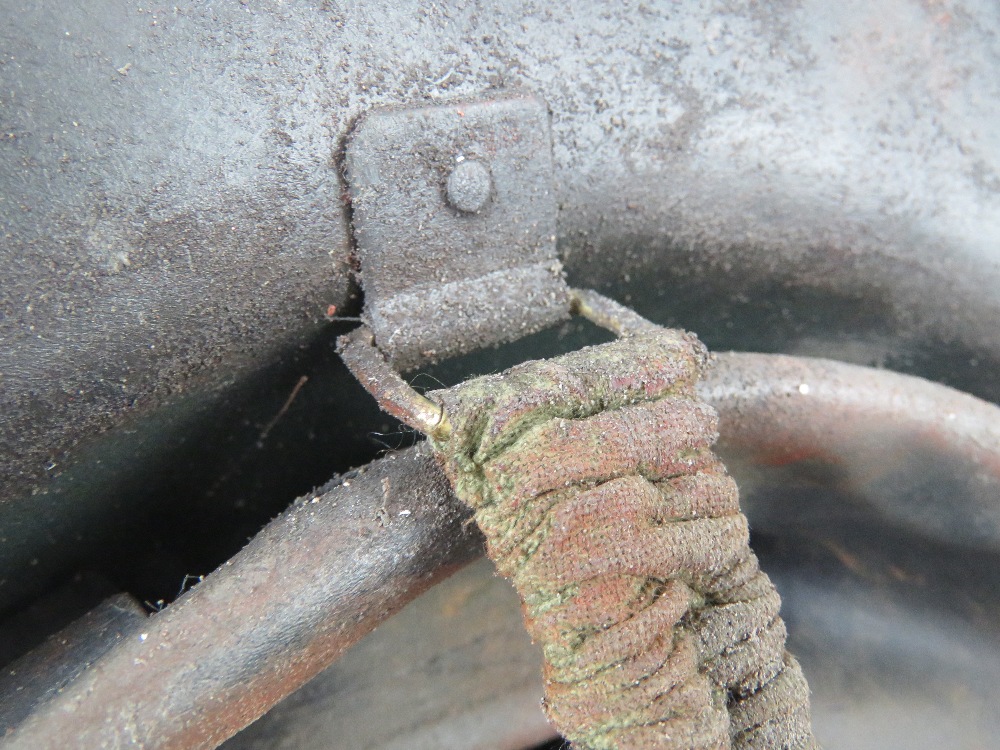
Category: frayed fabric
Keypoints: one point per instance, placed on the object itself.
(593, 479)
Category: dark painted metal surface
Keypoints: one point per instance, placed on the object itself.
(158, 501)
(891, 608)
(801, 177)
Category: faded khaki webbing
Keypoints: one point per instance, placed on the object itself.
(593, 479)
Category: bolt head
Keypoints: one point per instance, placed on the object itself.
(469, 186)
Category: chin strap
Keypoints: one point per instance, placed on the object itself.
(593, 479)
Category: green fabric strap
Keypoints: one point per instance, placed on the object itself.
(593, 480)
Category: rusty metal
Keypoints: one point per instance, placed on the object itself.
(802, 177)
(29, 682)
(761, 401)
(809, 178)
(396, 396)
(307, 587)
(592, 477)
(461, 647)
(327, 571)
(923, 456)
(454, 215)
(605, 312)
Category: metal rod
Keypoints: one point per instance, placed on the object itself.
(306, 588)
(342, 560)
(607, 313)
(366, 361)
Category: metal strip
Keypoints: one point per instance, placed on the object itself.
(455, 222)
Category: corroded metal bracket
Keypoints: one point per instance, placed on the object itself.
(398, 398)
(455, 222)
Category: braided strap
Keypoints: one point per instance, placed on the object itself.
(593, 480)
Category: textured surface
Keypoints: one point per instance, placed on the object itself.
(441, 281)
(802, 177)
(311, 584)
(896, 625)
(893, 618)
(28, 683)
(593, 480)
(805, 177)
(456, 667)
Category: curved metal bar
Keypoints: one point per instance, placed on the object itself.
(606, 313)
(802, 177)
(307, 587)
(371, 367)
(397, 397)
(344, 559)
(926, 457)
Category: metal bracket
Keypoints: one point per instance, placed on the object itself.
(455, 223)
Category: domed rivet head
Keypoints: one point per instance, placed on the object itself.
(469, 186)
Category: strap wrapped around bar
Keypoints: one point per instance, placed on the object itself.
(593, 479)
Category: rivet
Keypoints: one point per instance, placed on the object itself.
(469, 186)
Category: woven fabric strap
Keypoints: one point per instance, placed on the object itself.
(593, 480)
